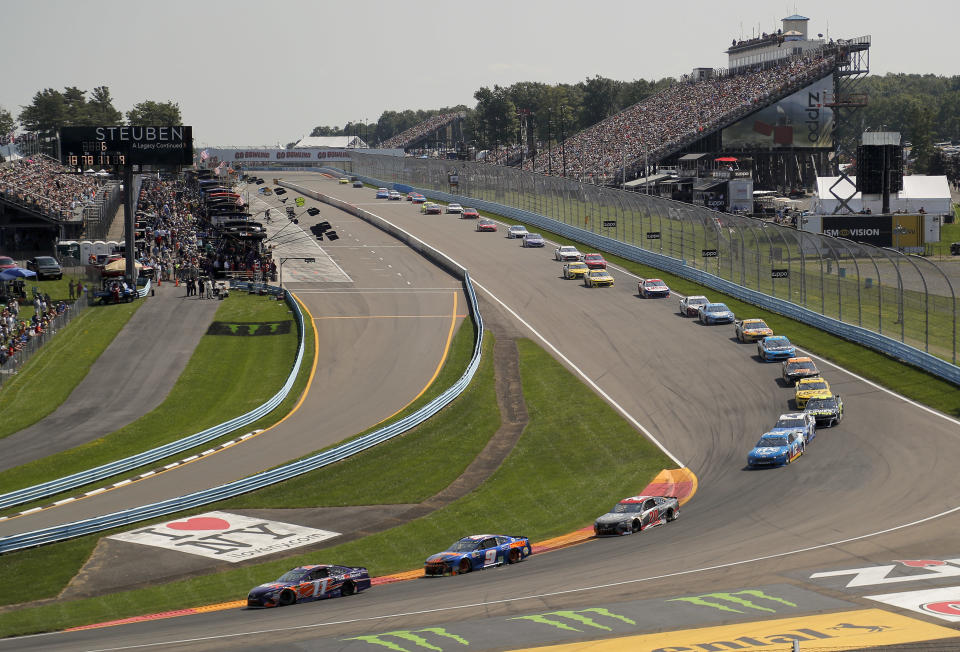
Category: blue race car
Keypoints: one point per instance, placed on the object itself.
(477, 552)
(715, 313)
(383, 193)
(309, 583)
(775, 347)
(793, 421)
(776, 449)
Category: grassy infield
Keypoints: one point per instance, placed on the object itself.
(549, 460)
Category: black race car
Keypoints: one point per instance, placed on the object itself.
(309, 583)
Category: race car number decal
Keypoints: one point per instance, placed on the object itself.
(491, 556)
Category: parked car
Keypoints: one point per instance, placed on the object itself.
(45, 267)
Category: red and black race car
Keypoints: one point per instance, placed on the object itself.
(309, 583)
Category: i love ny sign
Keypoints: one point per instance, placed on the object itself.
(225, 536)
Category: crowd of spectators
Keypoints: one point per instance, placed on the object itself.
(659, 124)
(46, 186)
(418, 131)
(182, 246)
(16, 334)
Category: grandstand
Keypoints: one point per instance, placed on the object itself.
(758, 109)
(444, 129)
(41, 200)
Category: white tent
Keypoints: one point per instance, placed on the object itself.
(931, 193)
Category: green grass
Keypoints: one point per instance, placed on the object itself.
(49, 377)
(683, 235)
(404, 469)
(877, 367)
(948, 233)
(215, 386)
(401, 470)
(548, 466)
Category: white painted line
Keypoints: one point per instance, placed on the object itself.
(147, 474)
(171, 465)
(3, 518)
(95, 491)
(123, 482)
(208, 451)
(247, 436)
(65, 501)
(629, 417)
(30, 511)
(190, 459)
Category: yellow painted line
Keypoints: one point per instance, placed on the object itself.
(390, 317)
(843, 630)
(153, 474)
(436, 372)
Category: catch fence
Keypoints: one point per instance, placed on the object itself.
(905, 297)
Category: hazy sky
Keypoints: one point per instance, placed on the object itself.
(262, 73)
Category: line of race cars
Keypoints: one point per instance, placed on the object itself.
(786, 441)
(816, 404)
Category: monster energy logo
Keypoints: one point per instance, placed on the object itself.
(413, 636)
(249, 328)
(557, 618)
(730, 601)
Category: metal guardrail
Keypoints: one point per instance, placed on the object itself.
(866, 337)
(267, 478)
(82, 478)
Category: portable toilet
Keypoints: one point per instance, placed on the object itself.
(100, 248)
(113, 247)
(87, 251)
(68, 251)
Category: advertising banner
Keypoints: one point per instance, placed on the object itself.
(225, 536)
(285, 156)
(797, 121)
(870, 229)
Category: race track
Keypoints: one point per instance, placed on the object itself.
(706, 399)
(362, 376)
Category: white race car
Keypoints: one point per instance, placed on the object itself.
(567, 253)
(516, 231)
(454, 208)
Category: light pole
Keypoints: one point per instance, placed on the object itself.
(563, 140)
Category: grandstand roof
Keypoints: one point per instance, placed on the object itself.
(330, 141)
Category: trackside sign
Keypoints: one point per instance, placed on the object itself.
(225, 536)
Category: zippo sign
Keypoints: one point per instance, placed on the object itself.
(225, 537)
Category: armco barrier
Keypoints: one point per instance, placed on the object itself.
(82, 478)
(267, 478)
(871, 339)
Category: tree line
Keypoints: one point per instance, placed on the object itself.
(924, 108)
(51, 109)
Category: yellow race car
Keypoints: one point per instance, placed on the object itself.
(808, 388)
(344, 180)
(597, 278)
(575, 270)
(751, 330)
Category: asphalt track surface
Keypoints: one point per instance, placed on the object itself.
(875, 489)
(131, 377)
(392, 296)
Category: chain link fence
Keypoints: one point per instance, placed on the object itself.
(12, 364)
(904, 297)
